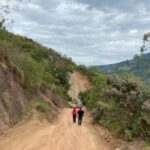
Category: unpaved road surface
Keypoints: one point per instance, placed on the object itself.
(61, 135)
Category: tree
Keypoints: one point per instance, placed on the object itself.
(146, 38)
(6, 6)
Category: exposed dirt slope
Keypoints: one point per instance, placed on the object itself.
(14, 98)
(79, 83)
(63, 135)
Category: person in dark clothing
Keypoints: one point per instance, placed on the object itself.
(80, 116)
(74, 114)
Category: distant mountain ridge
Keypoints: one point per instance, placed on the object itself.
(139, 66)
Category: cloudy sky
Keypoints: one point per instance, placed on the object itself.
(92, 32)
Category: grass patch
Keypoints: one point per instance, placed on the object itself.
(39, 105)
(6, 99)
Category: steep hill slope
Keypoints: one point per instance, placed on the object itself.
(139, 66)
(31, 77)
(12, 97)
(15, 101)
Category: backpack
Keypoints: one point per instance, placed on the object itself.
(74, 112)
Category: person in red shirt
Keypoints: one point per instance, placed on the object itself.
(74, 114)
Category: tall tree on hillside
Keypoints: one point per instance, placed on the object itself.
(146, 38)
(6, 6)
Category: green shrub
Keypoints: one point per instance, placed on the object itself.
(128, 135)
(121, 104)
(42, 108)
(6, 98)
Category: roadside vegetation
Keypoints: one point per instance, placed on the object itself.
(121, 101)
(37, 66)
(121, 104)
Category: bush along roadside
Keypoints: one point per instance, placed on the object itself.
(122, 104)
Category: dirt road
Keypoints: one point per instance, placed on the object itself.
(79, 83)
(62, 135)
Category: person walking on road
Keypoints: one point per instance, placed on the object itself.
(80, 116)
(78, 103)
(74, 114)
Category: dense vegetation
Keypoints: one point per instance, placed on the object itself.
(139, 66)
(38, 66)
(121, 104)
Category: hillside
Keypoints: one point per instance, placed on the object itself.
(35, 84)
(139, 66)
(32, 77)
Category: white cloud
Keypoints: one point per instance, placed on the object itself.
(133, 32)
(91, 32)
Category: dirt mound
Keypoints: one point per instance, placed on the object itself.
(79, 83)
